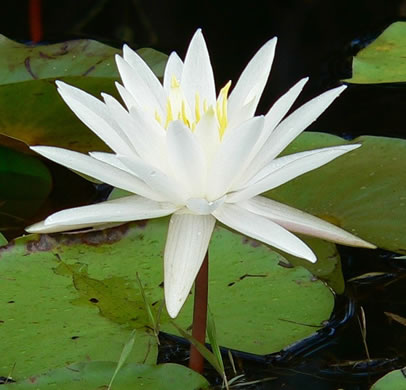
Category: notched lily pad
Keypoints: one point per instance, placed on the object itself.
(393, 380)
(3, 240)
(27, 76)
(328, 265)
(384, 60)
(97, 375)
(82, 57)
(364, 191)
(45, 322)
(258, 305)
(84, 299)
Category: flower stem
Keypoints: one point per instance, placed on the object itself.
(196, 361)
(35, 20)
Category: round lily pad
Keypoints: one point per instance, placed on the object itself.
(27, 76)
(384, 60)
(259, 305)
(363, 191)
(3, 240)
(393, 380)
(68, 298)
(54, 313)
(97, 375)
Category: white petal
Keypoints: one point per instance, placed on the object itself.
(141, 68)
(186, 158)
(111, 159)
(293, 125)
(253, 79)
(207, 134)
(287, 168)
(186, 245)
(128, 99)
(300, 222)
(232, 156)
(150, 138)
(157, 180)
(173, 68)
(130, 208)
(137, 84)
(92, 112)
(98, 170)
(40, 227)
(304, 157)
(272, 118)
(281, 107)
(202, 206)
(146, 136)
(197, 74)
(167, 187)
(240, 116)
(263, 229)
(121, 117)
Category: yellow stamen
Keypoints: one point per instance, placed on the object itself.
(177, 108)
(197, 107)
(221, 108)
(158, 118)
(174, 82)
(205, 106)
(184, 116)
(169, 114)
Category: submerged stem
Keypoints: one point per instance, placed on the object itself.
(196, 361)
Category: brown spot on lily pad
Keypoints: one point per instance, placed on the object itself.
(96, 238)
(142, 223)
(251, 242)
(32, 379)
(43, 244)
(7, 247)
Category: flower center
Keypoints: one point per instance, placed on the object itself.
(201, 206)
(177, 108)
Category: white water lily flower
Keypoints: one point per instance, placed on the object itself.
(184, 152)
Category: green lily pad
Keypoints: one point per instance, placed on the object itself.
(97, 375)
(393, 380)
(25, 185)
(32, 111)
(259, 305)
(3, 240)
(54, 313)
(364, 191)
(384, 60)
(328, 265)
(91, 279)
